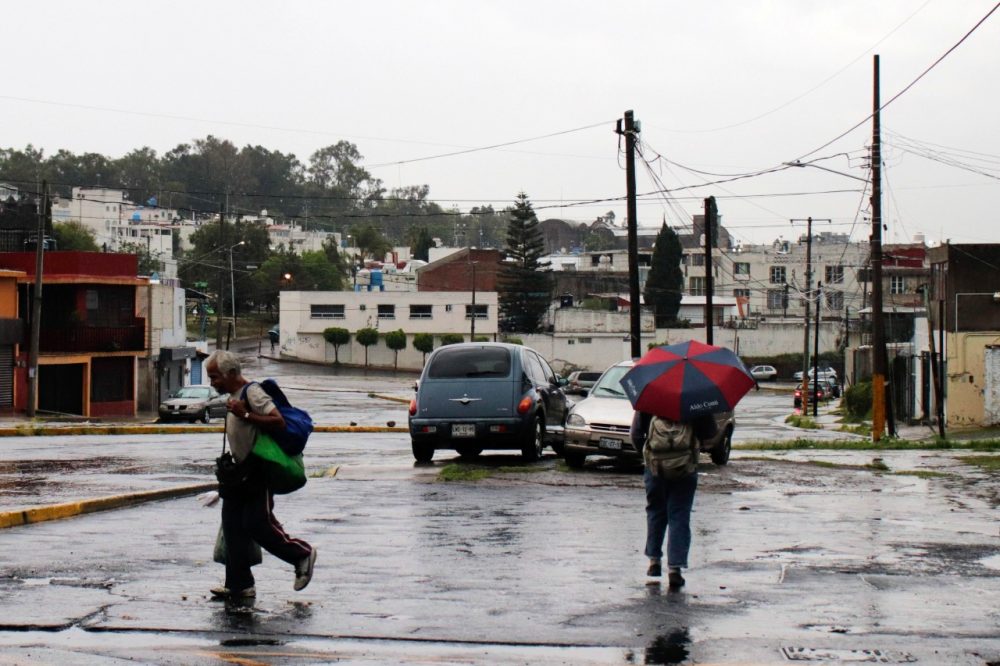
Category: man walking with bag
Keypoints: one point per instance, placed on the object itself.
(247, 501)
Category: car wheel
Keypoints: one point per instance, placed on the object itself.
(534, 440)
(206, 416)
(422, 451)
(557, 447)
(720, 454)
(469, 452)
(575, 460)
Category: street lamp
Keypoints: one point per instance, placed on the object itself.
(232, 287)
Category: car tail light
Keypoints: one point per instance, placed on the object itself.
(524, 406)
(413, 406)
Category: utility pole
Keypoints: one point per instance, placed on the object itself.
(711, 211)
(935, 370)
(815, 382)
(222, 278)
(36, 303)
(880, 360)
(472, 332)
(805, 319)
(631, 129)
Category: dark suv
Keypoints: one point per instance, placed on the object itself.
(476, 396)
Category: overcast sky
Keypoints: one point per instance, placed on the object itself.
(729, 87)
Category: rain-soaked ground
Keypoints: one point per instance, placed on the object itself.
(798, 557)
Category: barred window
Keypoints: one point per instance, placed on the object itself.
(778, 275)
(834, 274)
(326, 311)
(696, 286)
(386, 311)
(421, 311)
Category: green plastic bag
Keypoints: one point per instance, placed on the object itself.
(283, 473)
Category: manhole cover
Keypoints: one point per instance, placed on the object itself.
(855, 656)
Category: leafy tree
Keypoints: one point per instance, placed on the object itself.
(366, 337)
(423, 343)
(370, 242)
(75, 235)
(421, 243)
(452, 339)
(319, 274)
(336, 337)
(148, 263)
(281, 272)
(524, 290)
(665, 283)
(396, 341)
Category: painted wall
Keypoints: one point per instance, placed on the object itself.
(966, 377)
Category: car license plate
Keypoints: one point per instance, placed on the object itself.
(463, 430)
(609, 443)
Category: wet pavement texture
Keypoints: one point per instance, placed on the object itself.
(792, 560)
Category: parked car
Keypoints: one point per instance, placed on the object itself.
(476, 396)
(824, 373)
(581, 381)
(822, 392)
(763, 373)
(193, 403)
(600, 423)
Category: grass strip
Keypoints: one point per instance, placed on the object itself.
(886, 444)
(987, 463)
(804, 422)
(470, 473)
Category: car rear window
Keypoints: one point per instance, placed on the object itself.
(475, 362)
(589, 376)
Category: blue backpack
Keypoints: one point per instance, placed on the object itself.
(298, 423)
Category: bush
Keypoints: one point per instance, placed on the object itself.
(451, 339)
(512, 340)
(858, 400)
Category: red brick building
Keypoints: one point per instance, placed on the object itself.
(455, 271)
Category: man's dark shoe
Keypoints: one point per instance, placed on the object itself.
(223, 593)
(655, 570)
(675, 580)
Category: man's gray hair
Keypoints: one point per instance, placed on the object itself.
(226, 361)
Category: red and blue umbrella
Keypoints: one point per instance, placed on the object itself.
(686, 380)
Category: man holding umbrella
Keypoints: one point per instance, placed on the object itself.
(675, 391)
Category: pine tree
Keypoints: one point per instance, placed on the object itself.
(665, 283)
(524, 291)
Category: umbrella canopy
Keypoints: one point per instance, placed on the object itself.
(686, 380)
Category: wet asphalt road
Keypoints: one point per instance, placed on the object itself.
(535, 564)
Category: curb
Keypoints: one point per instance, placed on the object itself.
(40, 514)
(158, 429)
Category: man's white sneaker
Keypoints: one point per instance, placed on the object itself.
(304, 570)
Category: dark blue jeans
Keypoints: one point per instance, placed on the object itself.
(668, 505)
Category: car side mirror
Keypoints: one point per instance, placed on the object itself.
(562, 381)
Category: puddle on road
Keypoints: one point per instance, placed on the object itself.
(670, 648)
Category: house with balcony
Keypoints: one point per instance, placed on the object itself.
(91, 337)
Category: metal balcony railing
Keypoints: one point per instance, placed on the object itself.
(93, 338)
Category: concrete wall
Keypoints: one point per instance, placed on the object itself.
(966, 380)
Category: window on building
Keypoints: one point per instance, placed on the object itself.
(778, 275)
(696, 286)
(326, 311)
(775, 299)
(741, 293)
(741, 268)
(897, 285)
(835, 300)
(420, 311)
(386, 311)
(697, 259)
(834, 275)
(584, 341)
(482, 311)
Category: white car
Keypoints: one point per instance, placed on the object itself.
(824, 373)
(763, 373)
(600, 424)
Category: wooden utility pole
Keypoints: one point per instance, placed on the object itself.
(222, 279)
(630, 130)
(36, 303)
(805, 336)
(711, 211)
(815, 377)
(880, 361)
(935, 370)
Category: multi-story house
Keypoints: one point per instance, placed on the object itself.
(91, 337)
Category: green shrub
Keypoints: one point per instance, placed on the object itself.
(452, 339)
(858, 400)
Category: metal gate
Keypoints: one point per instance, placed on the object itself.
(991, 397)
(6, 375)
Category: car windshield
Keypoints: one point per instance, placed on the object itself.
(193, 392)
(610, 384)
(470, 362)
